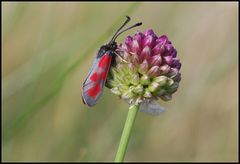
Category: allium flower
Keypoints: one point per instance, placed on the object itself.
(148, 68)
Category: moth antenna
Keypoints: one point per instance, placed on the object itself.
(137, 24)
(124, 24)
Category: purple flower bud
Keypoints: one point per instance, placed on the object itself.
(135, 47)
(154, 71)
(168, 60)
(148, 41)
(126, 56)
(128, 40)
(177, 78)
(174, 53)
(164, 69)
(143, 68)
(169, 47)
(139, 37)
(162, 39)
(124, 47)
(149, 32)
(158, 49)
(135, 59)
(173, 72)
(132, 68)
(176, 63)
(146, 53)
(179, 66)
(155, 60)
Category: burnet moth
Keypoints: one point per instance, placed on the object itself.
(93, 85)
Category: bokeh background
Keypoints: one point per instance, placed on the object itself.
(48, 48)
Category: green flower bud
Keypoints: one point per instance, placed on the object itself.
(139, 100)
(147, 93)
(153, 87)
(161, 92)
(173, 88)
(166, 97)
(132, 68)
(111, 83)
(169, 81)
(128, 95)
(161, 80)
(135, 79)
(145, 80)
(138, 89)
(116, 91)
(123, 88)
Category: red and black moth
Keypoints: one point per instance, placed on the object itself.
(93, 85)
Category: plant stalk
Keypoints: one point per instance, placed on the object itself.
(132, 113)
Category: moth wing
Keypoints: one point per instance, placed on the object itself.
(151, 107)
(93, 85)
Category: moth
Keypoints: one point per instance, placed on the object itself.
(92, 88)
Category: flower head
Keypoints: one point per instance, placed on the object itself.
(147, 69)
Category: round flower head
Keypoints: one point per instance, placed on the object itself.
(146, 68)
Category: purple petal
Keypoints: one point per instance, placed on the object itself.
(124, 47)
(143, 67)
(179, 66)
(168, 59)
(135, 47)
(173, 72)
(126, 56)
(138, 36)
(149, 32)
(131, 67)
(177, 78)
(155, 60)
(128, 40)
(162, 39)
(154, 71)
(174, 53)
(169, 47)
(148, 41)
(135, 58)
(146, 53)
(176, 63)
(164, 69)
(158, 49)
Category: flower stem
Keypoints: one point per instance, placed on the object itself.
(132, 113)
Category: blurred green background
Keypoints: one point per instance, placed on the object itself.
(48, 48)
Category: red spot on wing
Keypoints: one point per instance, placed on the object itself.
(105, 60)
(94, 91)
(105, 73)
(94, 77)
(99, 76)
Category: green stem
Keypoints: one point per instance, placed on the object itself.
(132, 113)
